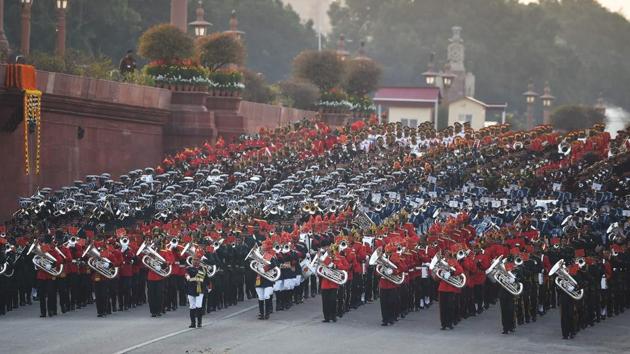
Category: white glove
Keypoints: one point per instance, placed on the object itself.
(511, 280)
(571, 287)
(158, 268)
(447, 275)
(389, 271)
(48, 266)
(106, 265)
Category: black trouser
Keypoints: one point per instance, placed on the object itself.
(85, 288)
(425, 289)
(389, 305)
(403, 293)
(4, 289)
(506, 300)
(154, 295)
(329, 301)
(447, 308)
(73, 285)
(250, 283)
(25, 285)
(239, 282)
(357, 290)
(47, 297)
(490, 294)
(142, 287)
(113, 294)
(101, 291)
(341, 297)
(478, 297)
(567, 305)
(181, 290)
(170, 302)
(124, 292)
(64, 293)
(310, 283)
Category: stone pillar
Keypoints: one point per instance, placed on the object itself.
(25, 38)
(179, 14)
(61, 33)
(4, 43)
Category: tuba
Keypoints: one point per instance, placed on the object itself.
(258, 264)
(339, 277)
(100, 264)
(44, 260)
(153, 260)
(565, 281)
(385, 266)
(439, 266)
(505, 278)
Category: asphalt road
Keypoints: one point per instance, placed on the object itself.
(299, 330)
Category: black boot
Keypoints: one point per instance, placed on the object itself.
(261, 309)
(193, 312)
(199, 315)
(268, 307)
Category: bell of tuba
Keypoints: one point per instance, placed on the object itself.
(153, 260)
(44, 260)
(339, 277)
(258, 264)
(439, 267)
(564, 148)
(384, 267)
(100, 264)
(497, 273)
(565, 281)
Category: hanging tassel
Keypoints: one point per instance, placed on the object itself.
(27, 162)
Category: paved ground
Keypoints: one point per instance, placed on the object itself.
(300, 330)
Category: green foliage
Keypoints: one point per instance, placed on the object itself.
(298, 93)
(324, 68)
(361, 76)
(362, 104)
(75, 63)
(178, 75)
(231, 80)
(220, 49)
(573, 117)
(335, 100)
(165, 42)
(577, 45)
(256, 88)
(137, 77)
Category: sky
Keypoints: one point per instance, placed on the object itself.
(308, 9)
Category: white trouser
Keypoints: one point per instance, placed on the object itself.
(195, 302)
(264, 293)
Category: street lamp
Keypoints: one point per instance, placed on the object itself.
(430, 75)
(25, 33)
(61, 6)
(530, 99)
(200, 25)
(447, 78)
(547, 101)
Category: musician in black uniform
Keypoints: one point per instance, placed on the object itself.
(195, 284)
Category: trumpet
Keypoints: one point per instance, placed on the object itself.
(565, 281)
(439, 267)
(258, 264)
(153, 260)
(384, 267)
(505, 278)
(339, 277)
(44, 260)
(99, 263)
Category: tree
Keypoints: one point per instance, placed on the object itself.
(300, 93)
(573, 117)
(256, 88)
(324, 69)
(361, 77)
(220, 49)
(165, 42)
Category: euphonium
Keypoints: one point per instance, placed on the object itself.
(190, 249)
(100, 264)
(385, 266)
(565, 281)
(258, 263)
(506, 279)
(339, 277)
(44, 260)
(153, 260)
(439, 266)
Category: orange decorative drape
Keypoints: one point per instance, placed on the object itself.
(20, 76)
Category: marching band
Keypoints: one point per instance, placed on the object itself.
(535, 220)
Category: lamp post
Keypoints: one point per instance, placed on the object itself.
(200, 25)
(4, 43)
(25, 33)
(547, 101)
(430, 75)
(61, 6)
(530, 99)
(447, 82)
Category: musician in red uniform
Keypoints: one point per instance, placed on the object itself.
(390, 300)
(125, 273)
(333, 260)
(46, 282)
(447, 293)
(75, 250)
(155, 284)
(114, 283)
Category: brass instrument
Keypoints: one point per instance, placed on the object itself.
(99, 263)
(385, 267)
(564, 148)
(190, 249)
(258, 263)
(153, 260)
(565, 281)
(339, 277)
(44, 260)
(497, 273)
(439, 266)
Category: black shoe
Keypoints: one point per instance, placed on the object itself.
(325, 321)
(385, 324)
(100, 315)
(505, 332)
(153, 315)
(43, 315)
(450, 327)
(192, 325)
(334, 320)
(443, 328)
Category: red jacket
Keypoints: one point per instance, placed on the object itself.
(446, 287)
(398, 262)
(340, 263)
(126, 268)
(168, 256)
(42, 275)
